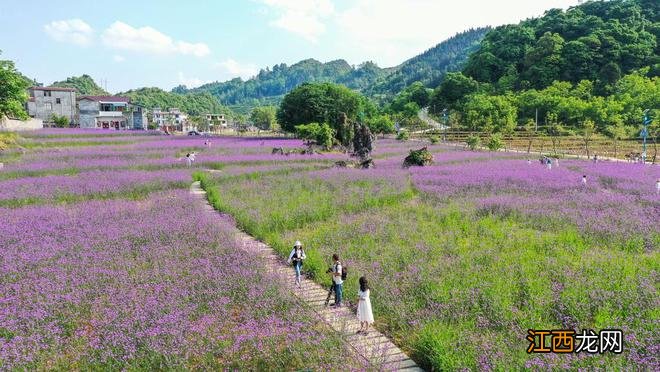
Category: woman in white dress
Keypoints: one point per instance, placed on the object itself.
(365, 316)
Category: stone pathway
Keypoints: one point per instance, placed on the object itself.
(375, 347)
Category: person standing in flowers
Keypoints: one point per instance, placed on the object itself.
(657, 187)
(188, 160)
(297, 256)
(337, 279)
(364, 313)
(584, 180)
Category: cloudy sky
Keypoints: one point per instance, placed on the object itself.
(129, 44)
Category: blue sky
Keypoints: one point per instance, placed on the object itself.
(165, 43)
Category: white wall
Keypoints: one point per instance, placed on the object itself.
(18, 125)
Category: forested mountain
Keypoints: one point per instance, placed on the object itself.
(431, 66)
(598, 41)
(270, 85)
(593, 67)
(192, 103)
(84, 84)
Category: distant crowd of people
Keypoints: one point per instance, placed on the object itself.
(338, 274)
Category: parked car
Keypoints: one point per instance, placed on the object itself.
(193, 133)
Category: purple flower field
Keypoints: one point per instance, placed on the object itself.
(114, 266)
(146, 283)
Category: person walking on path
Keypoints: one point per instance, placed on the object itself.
(297, 256)
(337, 279)
(364, 313)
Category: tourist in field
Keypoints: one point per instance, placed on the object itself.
(548, 163)
(584, 180)
(364, 313)
(188, 160)
(657, 187)
(337, 279)
(192, 157)
(556, 162)
(296, 257)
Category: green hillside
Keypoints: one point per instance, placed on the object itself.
(84, 84)
(430, 67)
(192, 103)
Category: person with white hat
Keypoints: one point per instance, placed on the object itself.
(297, 256)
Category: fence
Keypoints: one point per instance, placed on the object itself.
(569, 145)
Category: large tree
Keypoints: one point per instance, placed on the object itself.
(323, 103)
(264, 117)
(13, 94)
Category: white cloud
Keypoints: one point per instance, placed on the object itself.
(190, 82)
(146, 39)
(233, 69)
(305, 18)
(74, 31)
(393, 30)
(117, 58)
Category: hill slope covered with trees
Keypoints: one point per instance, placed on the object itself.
(192, 103)
(430, 67)
(84, 84)
(592, 67)
(270, 85)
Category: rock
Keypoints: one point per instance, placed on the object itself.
(278, 150)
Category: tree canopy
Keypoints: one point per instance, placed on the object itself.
(84, 84)
(323, 103)
(13, 93)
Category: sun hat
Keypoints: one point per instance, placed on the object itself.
(298, 244)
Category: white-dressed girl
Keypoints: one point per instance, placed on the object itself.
(364, 313)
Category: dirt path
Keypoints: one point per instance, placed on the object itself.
(375, 347)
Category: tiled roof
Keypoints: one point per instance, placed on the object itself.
(106, 98)
(58, 89)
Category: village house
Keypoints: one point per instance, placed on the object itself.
(109, 112)
(44, 102)
(216, 121)
(172, 119)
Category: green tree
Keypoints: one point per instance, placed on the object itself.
(264, 117)
(381, 124)
(473, 141)
(495, 142)
(451, 91)
(491, 113)
(587, 132)
(324, 103)
(322, 134)
(13, 94)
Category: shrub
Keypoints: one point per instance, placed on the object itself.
(60, 121)
(495, 142)
(418, 158)
(403, 136)
(322, 134)
(434, 139)
(7, 140)
(473, 141)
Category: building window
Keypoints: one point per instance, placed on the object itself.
(58, 101)
(48, 105)
(46, 93)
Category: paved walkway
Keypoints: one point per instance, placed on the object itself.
(375, 347)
